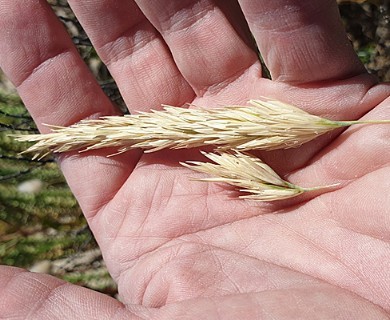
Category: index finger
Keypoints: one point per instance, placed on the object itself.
(39, 57)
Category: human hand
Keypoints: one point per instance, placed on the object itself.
(185, 249)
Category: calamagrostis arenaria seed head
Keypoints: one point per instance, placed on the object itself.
(263, 125)
(249, 174)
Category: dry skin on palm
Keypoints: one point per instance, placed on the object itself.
(265, 125)
(249, 174)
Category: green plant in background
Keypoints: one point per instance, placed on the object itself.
(31, 192)
(41, 225)
(40, 219)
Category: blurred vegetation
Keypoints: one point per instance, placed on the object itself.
(41, 225)
(367, 23)
(40, 219)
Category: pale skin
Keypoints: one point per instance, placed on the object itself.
(182, 249)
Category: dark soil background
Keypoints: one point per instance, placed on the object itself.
(368, 26)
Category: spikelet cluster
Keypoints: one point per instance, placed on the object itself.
(255, 179)
(264, 125)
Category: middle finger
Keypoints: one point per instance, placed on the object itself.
(134, 52)
(209, 40)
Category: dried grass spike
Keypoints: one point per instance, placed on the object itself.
(249, 174)
(265, 125)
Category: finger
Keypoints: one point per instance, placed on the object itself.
(40, 59)
(134, 52)
(209, 40)
(301, 41)
(57, 88)
(25, 295)
(35, 296)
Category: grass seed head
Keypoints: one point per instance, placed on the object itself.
(249, 174)
(265, 125)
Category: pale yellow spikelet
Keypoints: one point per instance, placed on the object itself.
(249, 174)
(265, 125)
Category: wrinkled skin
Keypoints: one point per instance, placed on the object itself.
(182, 249)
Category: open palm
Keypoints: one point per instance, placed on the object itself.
(181, 249)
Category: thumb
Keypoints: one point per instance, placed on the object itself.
(26, 295)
